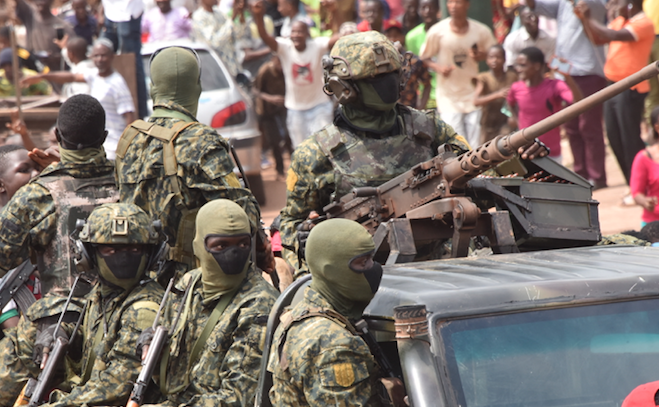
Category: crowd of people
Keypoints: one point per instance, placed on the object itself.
(357, 91)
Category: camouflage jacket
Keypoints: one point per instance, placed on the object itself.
(205, 173)
(227, 369)
(321, 363)
(28, 223)
(338, 157)
(16, 348)
(109, 364)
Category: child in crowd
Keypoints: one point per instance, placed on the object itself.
(492, 87)
(535, 97)
(16, 170)
(644, 181)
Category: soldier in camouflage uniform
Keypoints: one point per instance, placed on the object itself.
(121, 243)
(317, 358)
(37, 221)
(172, 183)
(215, 353)
(373, 138)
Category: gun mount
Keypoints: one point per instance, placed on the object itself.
(538, 204)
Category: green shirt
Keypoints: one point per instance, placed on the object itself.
(7, 88)
(413, 42)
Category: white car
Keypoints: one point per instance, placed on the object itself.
(225, 106)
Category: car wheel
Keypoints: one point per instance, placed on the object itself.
(257, 187)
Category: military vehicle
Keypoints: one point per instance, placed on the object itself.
(568, 327)
(524, 205)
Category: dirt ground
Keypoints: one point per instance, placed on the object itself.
(614, 217)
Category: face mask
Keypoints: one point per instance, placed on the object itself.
(373, 275)
(224, 270)
(232, 260)
(123, 269)
(380, 93)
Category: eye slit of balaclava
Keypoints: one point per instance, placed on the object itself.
(386, 86)
(231, 259)
(372, 270)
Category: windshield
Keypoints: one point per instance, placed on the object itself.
(582, 356)
(212, 76)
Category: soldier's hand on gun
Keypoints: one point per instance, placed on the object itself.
(44, 344)
(303, 230)
(143, 343)
(535, 150)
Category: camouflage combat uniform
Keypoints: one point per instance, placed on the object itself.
(205, 173)
(29, 227)
(227, 369)
(321, 362)
(29, 221)
(334, 160)
(109, 343)
(16, 348)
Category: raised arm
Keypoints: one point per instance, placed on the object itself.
(55, 77)
(258, 10)
(601, 34)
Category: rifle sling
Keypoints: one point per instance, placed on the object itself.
(198, 344)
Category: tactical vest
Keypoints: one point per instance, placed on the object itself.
(366, 161)
(182, 252)
(74, 198)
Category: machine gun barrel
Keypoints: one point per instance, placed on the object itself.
(470, 164)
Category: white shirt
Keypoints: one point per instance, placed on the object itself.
(122, 10)
(113, 94)
(520, 39)
(455, 93)
(303, 72)
(77, 88)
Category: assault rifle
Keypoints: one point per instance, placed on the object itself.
(13, 286)
(151, 355)
(434, 200)
(52, 360)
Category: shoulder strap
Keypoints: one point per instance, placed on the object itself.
(329, 140)
(288, 321)
(198, 344)
(419, 126)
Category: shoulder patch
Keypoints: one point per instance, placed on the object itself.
(291, 179)
(145, 305)
(344, 374)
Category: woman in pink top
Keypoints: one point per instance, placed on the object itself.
(644, 182)
(535, 97)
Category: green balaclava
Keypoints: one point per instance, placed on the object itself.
(175, 76)
(331, 246)
(221, 217)
(374, 111)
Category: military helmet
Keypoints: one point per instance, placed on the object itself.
(119, 223)
(362, 55)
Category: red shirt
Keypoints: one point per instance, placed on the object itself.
(539, 102)
(628, 57)
(645, 180)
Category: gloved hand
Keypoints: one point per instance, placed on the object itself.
(303, 230)
(45, 341)
(143, 340)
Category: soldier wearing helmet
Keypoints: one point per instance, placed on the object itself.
(120, 242)
(372, 140)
